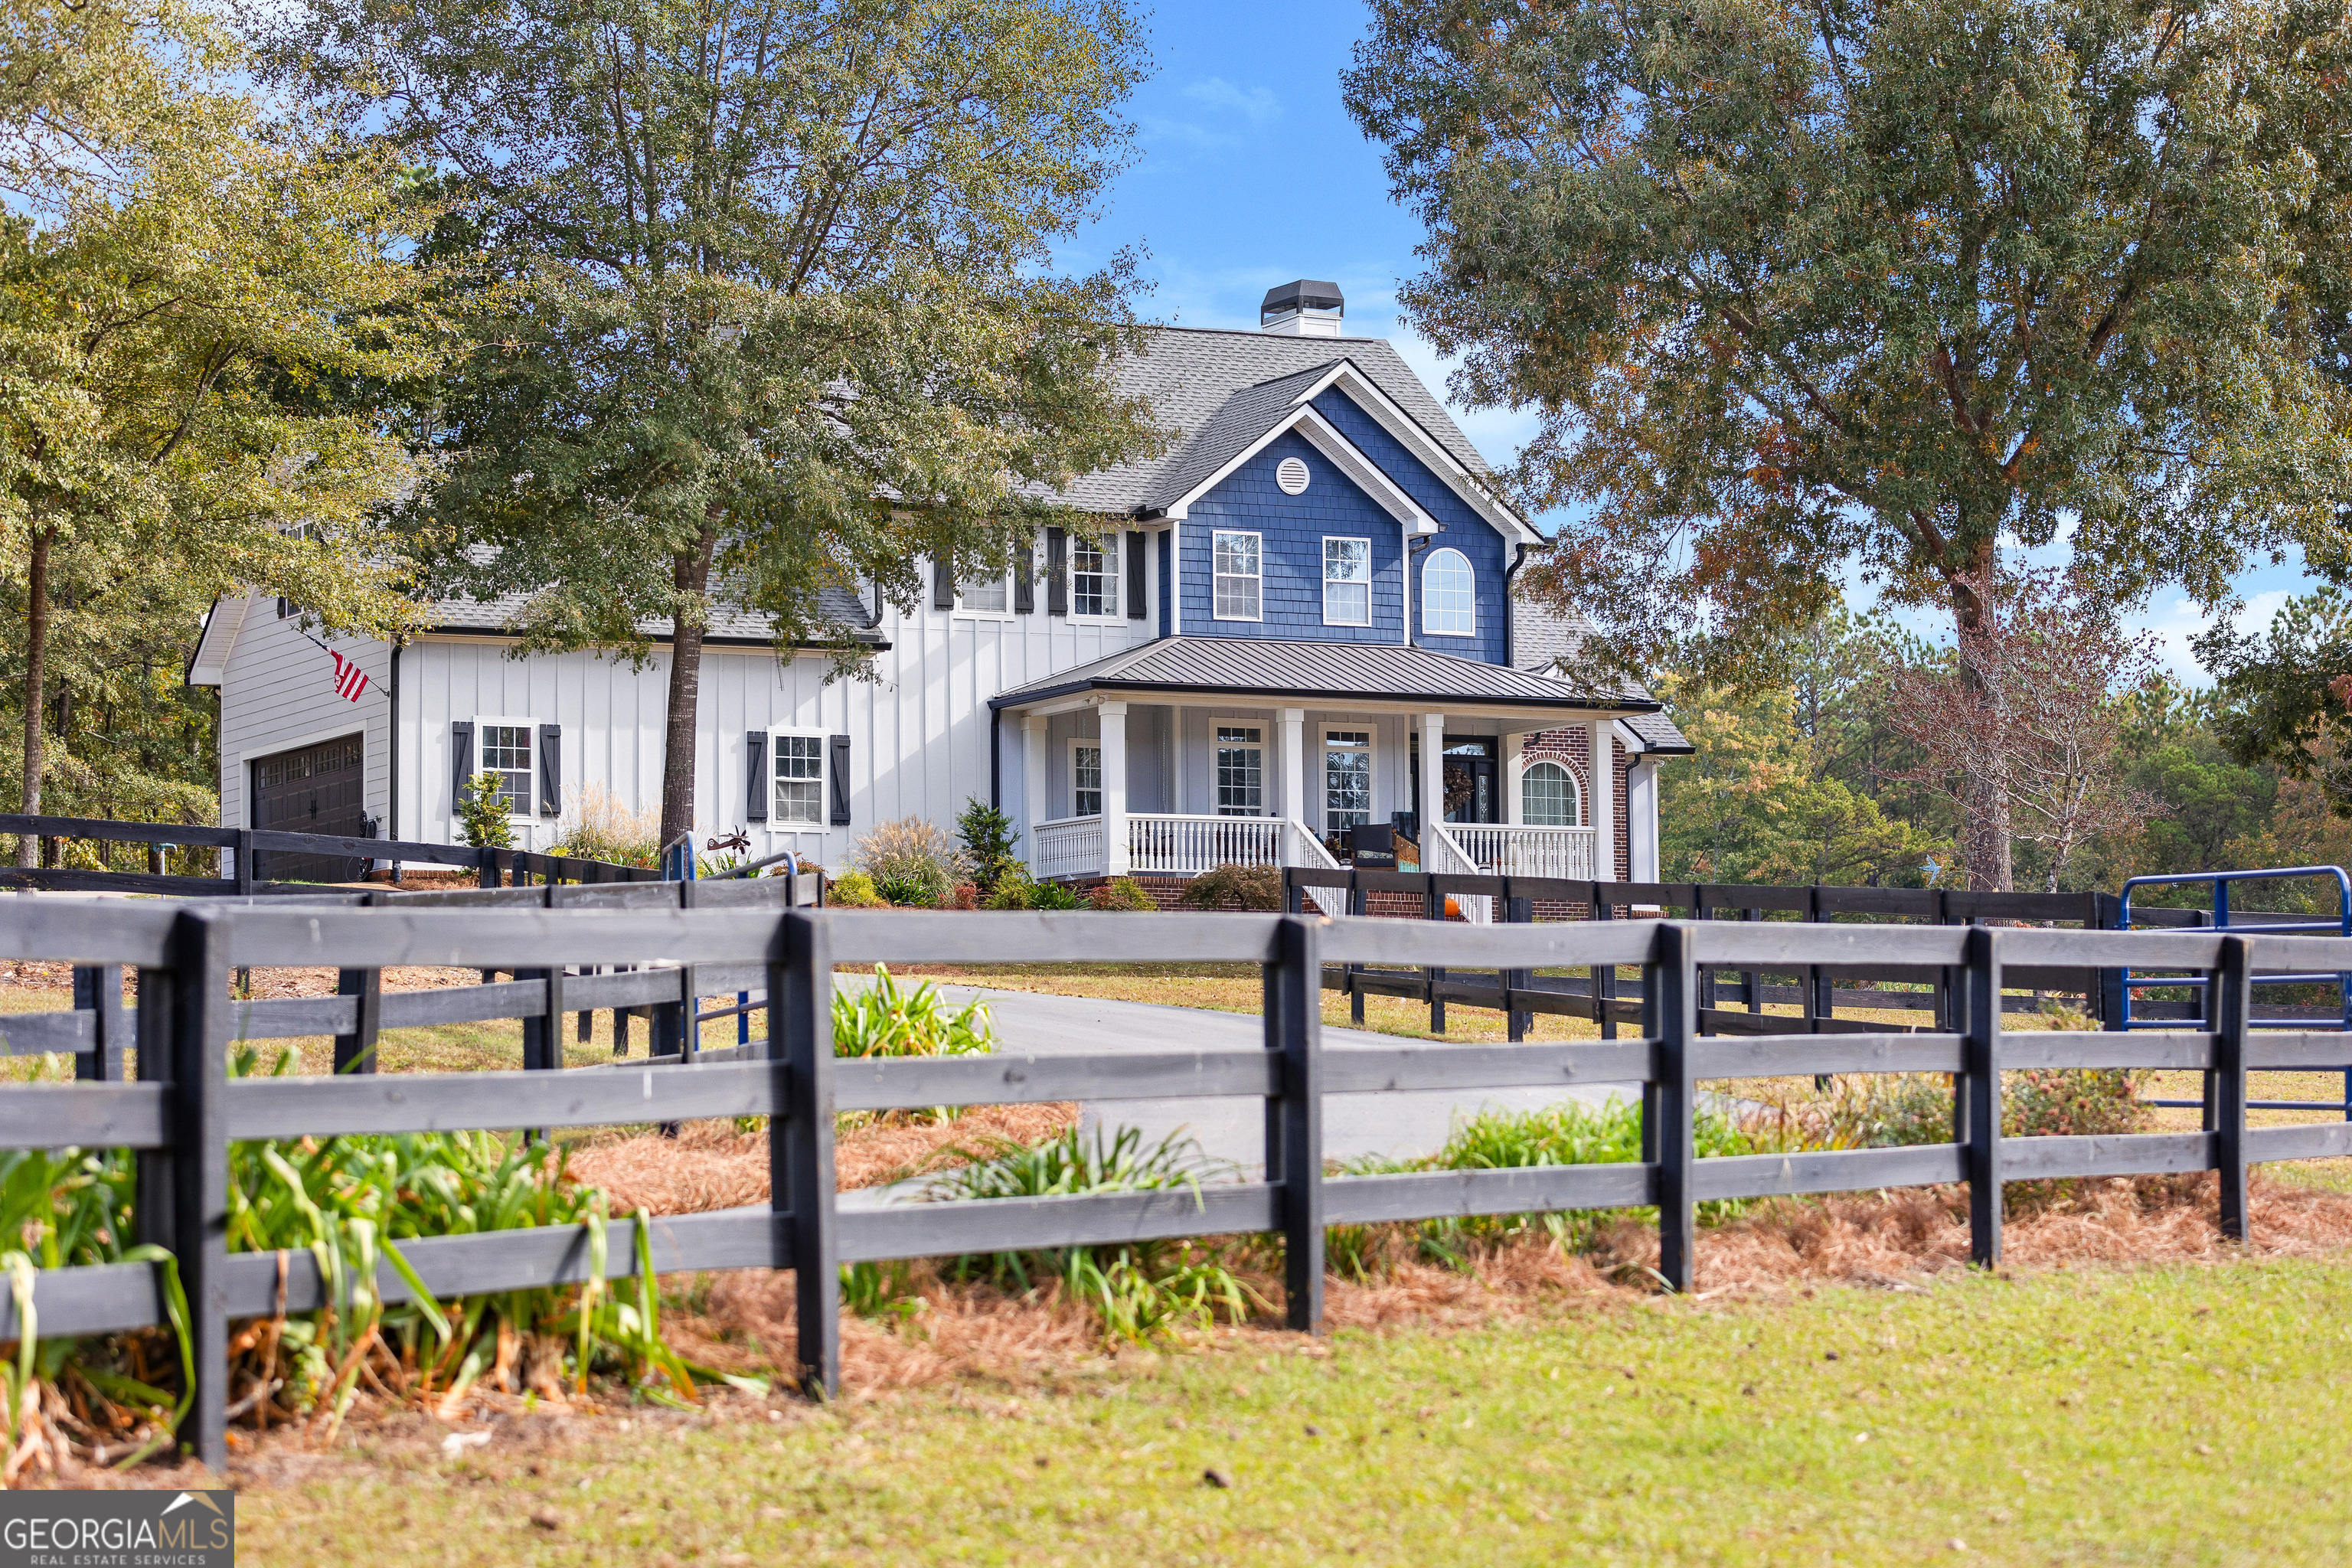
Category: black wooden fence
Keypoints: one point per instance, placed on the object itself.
(183, 1112)
(250, 847)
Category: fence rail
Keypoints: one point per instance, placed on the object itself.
(247, 846)
(183, 1112)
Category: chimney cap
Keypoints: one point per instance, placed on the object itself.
(1307, 294)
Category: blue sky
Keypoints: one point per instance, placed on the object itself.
(1252, 174)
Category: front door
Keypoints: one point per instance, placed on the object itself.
(1470, 792)
(312, 789)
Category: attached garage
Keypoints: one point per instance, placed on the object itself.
(318, 788)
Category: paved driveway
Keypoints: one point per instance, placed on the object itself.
(1393, 1123)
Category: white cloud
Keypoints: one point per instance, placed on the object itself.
(1256, 104)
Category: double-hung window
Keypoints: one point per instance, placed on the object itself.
(799, 781)
(1094, 575)
(1347, 581)
(1086, 778)
(1239, 572)
(1347, 779)
(983, 595)
(506, 752)
(1241, 772)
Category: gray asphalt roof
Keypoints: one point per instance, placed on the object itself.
(1190, 374)
(1258, 667)
(1544, 639)
(728, 623)
(1229, 432)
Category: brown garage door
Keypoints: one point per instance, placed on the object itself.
(318, 789)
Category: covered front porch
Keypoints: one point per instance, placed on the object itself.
(1191, 753)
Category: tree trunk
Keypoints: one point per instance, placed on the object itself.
(1985, 809)
(691, 575)
(37, 672)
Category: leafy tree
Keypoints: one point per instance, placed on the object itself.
(2280, 694)
(176, 272)
(767, 301)
(988, 837)
(1805, 293)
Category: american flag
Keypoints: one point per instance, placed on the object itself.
(350, 679)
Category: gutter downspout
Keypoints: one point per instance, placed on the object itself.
(1510, 613)
(996, 753)
(392, 801)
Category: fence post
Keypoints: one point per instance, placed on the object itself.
(1432, 903)
(1980, 1107)
(800, 1161)
(1359, 904)
(97, 990)
(1672, 978)
(1294, 1031)
(199, 1162)
(2234, 982)
(486, 872)
(355, 1052)
(1516, 911)
(152, 1204)
(1604, 975)
(244, 853)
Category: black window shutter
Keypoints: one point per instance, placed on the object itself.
(1025, 581)
(755, 776)
(836, 772)
(1135, 577)
(461, 763)
(942, 585)
(1057, 572)
(551, 770)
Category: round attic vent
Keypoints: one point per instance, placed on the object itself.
(1291, 475)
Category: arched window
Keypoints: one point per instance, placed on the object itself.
(1449, 595)
(1547, 797)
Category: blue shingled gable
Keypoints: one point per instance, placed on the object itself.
(1294, 529)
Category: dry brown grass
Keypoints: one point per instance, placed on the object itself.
(710, 1165)
(1892, 1242)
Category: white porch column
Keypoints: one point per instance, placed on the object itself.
(1293, 761)
(1114, 788)
(1033, 784)
(1642, 819)
(1514, 803)
(1432, 780)
(1601, 756)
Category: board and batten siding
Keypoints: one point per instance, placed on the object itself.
(918, 728)
(278, 693)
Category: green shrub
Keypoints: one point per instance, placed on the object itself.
(988, 839)
(1013, 890)
(883, 1019)
(1051, 896)
(483, 813)
(912, 861)
(1119, 893)
(1247, 887)
(1139, 1290)
(855, 891)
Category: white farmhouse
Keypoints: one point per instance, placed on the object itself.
(1297, 620)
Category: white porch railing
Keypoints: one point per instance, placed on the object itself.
(1165, 844)
(1565, 852)
(1441, 854)
(1072, 847)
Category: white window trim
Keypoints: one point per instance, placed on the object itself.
(1325, 566)
(1118, 574)
(1468, 565)
(1322, 768)
(823, 783)
(1215, 534)
(482, 722)
(1074, 743)
(963, 611)
(1576, 796)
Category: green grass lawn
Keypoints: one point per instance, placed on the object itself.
(2187, 1416)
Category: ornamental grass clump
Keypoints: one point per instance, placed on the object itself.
(1138, 1291)
(885, 1019)
(599, 827)
(912, 861)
